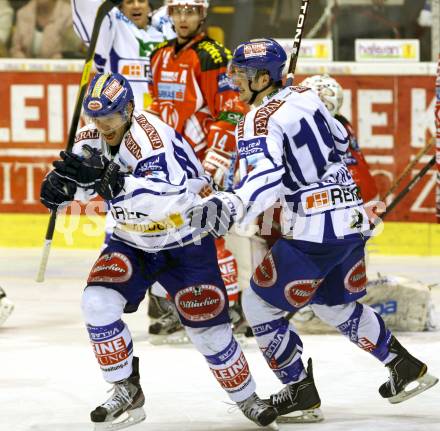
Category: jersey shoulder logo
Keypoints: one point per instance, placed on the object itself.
(263, 114)
(132, 146)
(150, 131)
(87, 134)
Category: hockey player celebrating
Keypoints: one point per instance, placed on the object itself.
(192, 94)
(149, 175)
(331, 94)
(126, 40)
(290, 149)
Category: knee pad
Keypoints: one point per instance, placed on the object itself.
(209, 341)
(101, 306)
(257, 310)
(334, 315)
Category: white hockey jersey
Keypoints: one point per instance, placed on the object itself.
(122, 47)
(163, 179)
(290, 149)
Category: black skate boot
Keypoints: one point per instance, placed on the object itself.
(157, 306)
(258, 411)
(404, 369)
(124, 407)
(168, 329)
(6, 306)
(298, 402)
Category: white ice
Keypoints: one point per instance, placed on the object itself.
(49, 380)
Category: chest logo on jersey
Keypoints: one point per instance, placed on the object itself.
(151, 165)
(87, 134)
(150, 131)
(263, 114)
(132, 146)
(251, 147)
(299, 292)
(171, 91)
(135, 70)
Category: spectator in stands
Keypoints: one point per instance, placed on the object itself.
(41, 29)
(6, 16)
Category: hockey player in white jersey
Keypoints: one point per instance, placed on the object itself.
(149, 175)
(290, 149)
(126, 40)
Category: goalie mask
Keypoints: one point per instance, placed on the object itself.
(254, 56)
(328, 90)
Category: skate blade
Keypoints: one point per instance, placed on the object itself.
(127, 419)
(273, 426)
(425, 382)
(301, 416)
(179, 337)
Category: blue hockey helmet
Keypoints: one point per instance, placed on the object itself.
(259, 54)
(108, 94)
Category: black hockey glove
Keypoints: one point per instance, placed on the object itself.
(214, 215)
(111, 182)
(82, 170)
(56, 192)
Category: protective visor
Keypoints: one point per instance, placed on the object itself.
(108, 123)
(236, 72)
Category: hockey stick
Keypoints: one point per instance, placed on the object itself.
(297, 41)
(408, 187)
(408, 168)
(101, 13)
(395, 202)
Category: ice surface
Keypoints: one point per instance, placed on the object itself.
(49, 380)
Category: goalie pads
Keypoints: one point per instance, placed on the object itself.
(404, 305)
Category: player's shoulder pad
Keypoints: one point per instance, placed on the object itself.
(212, 54)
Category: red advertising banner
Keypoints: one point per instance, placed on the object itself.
(392, 115)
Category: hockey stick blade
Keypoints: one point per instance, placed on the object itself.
(100, 15)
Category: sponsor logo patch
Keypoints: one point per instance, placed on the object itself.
(233, 376)
(262, 116)
(299, 292)
(110, 352)
(201, 302)
(132, 146)
(356, 279)
(251, 147)
(151, 132)
(151, 165)
(87, 134)
(265, 274)
(256, 49)
(113, 90)
(171, 91)
(94, 105)
(111, 268)
(365, 344)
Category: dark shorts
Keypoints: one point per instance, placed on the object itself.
(190, 275)
(294, 274)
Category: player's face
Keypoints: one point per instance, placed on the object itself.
(187, 20)
(137, 11)
(112, 128)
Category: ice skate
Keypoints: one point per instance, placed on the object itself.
(167, 329)
(124, 407)
(298, 402)
(157, 305)
(404, 370)
(258, 411)
(6, 306)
